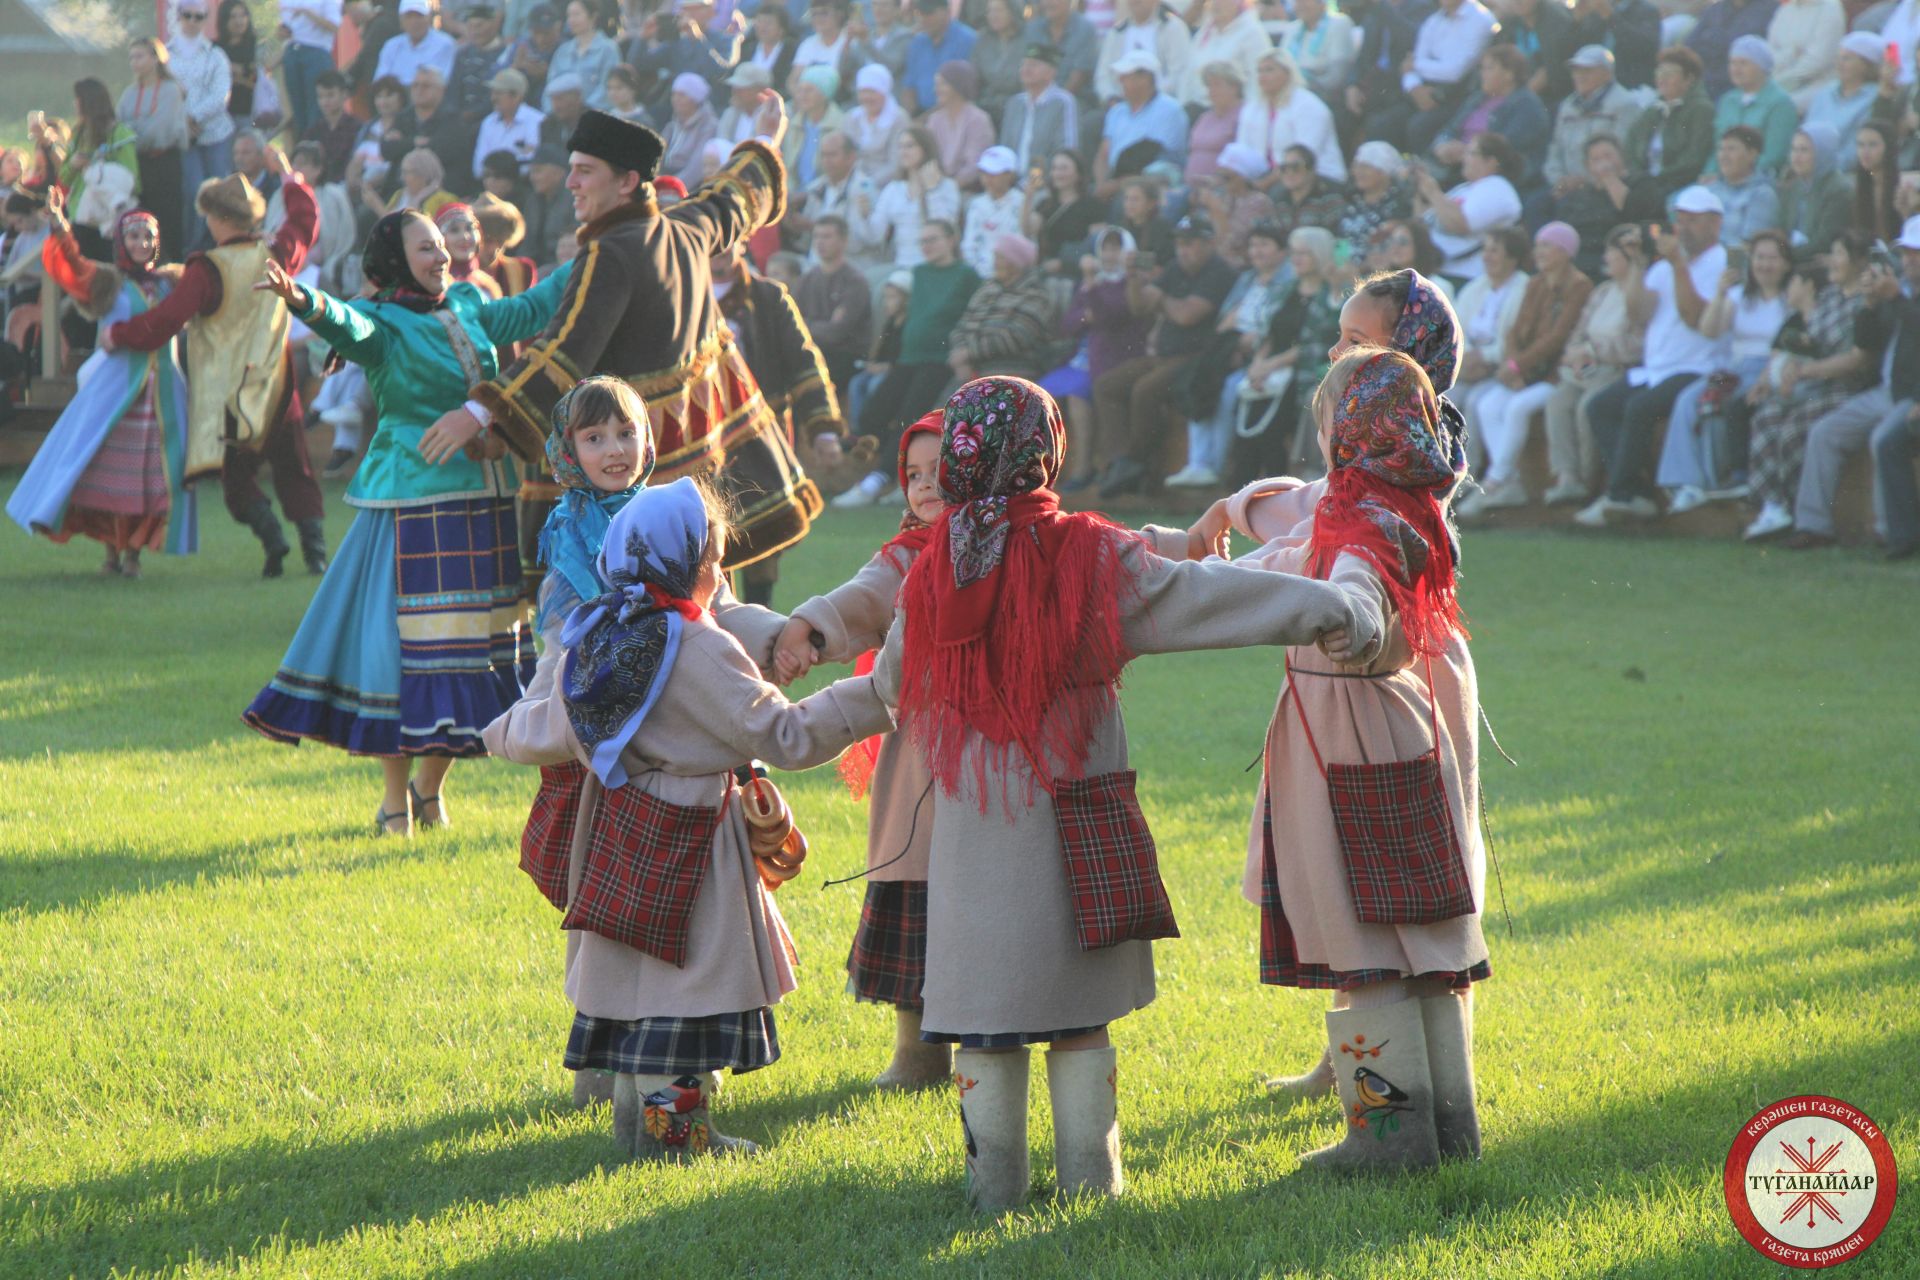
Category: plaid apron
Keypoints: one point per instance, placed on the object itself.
(547, 842)
(1113, 868)
(1404, 861)
(646, 861)
(888, 961)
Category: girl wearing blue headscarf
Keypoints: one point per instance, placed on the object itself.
(678, 953)
(1815, 197)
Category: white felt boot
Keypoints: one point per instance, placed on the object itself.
(993, 1121)
(916, 1064)
(1083, 1084)
(1386, 1091)
(1456, 1115)
(663, 1117)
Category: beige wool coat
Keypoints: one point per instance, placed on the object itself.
(1002, 952)
(715, 714)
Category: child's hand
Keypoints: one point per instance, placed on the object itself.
(1343, 646)
(794, 654)
(1212, 534)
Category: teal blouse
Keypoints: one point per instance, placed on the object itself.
(415, 377)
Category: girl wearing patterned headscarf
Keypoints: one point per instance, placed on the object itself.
(677, 983)
(1358, 862)
(1018, 620)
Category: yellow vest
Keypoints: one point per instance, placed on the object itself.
(236, 361)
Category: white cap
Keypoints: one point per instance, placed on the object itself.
(751, 75)
(416, 6)
(1697, 199)
(1591, 55)
(1137, 60)
(567, 82)
(998, 160)
(1910, 234)
(1864, 44)
(1243, 160)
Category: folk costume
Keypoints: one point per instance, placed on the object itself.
(468, 270)
(641, 307)
(662, 707)
(413, 642)
(888, 961)
(114, 465)
(1279, 513)
(1043, 890)
(1358, 860)
(243, 401)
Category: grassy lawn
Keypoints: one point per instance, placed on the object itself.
(241, 1036)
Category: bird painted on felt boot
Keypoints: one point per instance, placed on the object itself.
(1375, 1090)
(669, 1110)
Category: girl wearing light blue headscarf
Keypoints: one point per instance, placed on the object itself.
(1815, 197)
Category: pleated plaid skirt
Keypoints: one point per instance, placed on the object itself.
(888, 962)
(674, 1046)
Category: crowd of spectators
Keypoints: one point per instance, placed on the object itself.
(1678, 235)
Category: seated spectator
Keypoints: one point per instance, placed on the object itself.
(338, 231)
(683, 41)
(1541, 32)
(1322, 44)
(1815, 199)
(623, 96)
(1816, 367)
(250, 162)
(1236, 205)
(549, 206)
(1876, 181)
(942, 287)
(419, 44)
(1439, 76)
(939, 40)
(1604, 198)
(1141, 218)
(503, 228)
(815, 117)
(1284, 113)
(838, 190)
(918, 193)
(876, 123)
(588, 52)
(566, 103)
(1043, 117)
(996, 56)
(1750, 202)
(1485, 201)
(1844, 102)
(1504, 105)
(1631, 28)
(1804, 36)
(885, 351)
(1106, 333)
(514, 127)
(1597, 106)
(835, 300)
(1055, 23)
(1304, 329)
(961, 130)
(744, 87)
(1302, 198)
(422, 186)
(689, 129)
(1628, 416)
(1379, 194)
(1231, 32)
(1755, 100)
(1487, 306)
(1011, 324)
(1671, 143)
(1721, 25)
(1406, 243)
(1061, 213)
(1531, 354)
(830, 45)
(430, 122)
(1372, 92)
(332, 127)
(1208, 393)
(1146, 26)
(500, 176)
(482, 50)
(771, 45)
(1746, 314)
(997, 211)
(884, 37)
(1145, 125)
(1219, 124)
(1605, 343)
(531, 53)
(389, 102)
(1132, 401)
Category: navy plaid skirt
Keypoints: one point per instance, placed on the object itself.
(888, 962)
(674, 1046)
(1003, 1039)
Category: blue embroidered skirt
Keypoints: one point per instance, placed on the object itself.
(414, 641)
(674, 1046)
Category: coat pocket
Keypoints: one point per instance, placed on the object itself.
(547, 842)
(1404, 861)
(646, 861)
(1113, 869)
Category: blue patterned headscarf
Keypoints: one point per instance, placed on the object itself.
(576, 528)
(1429, 332)
(621, 645)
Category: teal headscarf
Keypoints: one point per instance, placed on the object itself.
(576, 529)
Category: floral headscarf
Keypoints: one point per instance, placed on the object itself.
(1429, 331)
(623, 643)
(576, 528)
(1013, 616)
(1385, 492)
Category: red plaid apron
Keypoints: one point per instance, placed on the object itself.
(1404, 860)
(646, 860)
(1113, 868)
(547, 842)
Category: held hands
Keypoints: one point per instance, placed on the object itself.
(275, 280)
(793, 653)
(449, 435)
(1211, 534)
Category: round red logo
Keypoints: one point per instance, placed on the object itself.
(1810, 1181)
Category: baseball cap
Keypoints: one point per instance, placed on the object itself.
(1591, 55)
(1136, 60)
(1697, 199)
(1193, 227)
(998, 160)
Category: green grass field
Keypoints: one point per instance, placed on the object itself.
(239, 1036)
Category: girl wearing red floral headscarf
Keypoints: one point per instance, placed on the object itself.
(1043, 886)
(1359, 863)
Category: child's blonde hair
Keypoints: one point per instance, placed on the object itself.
(722, 514)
